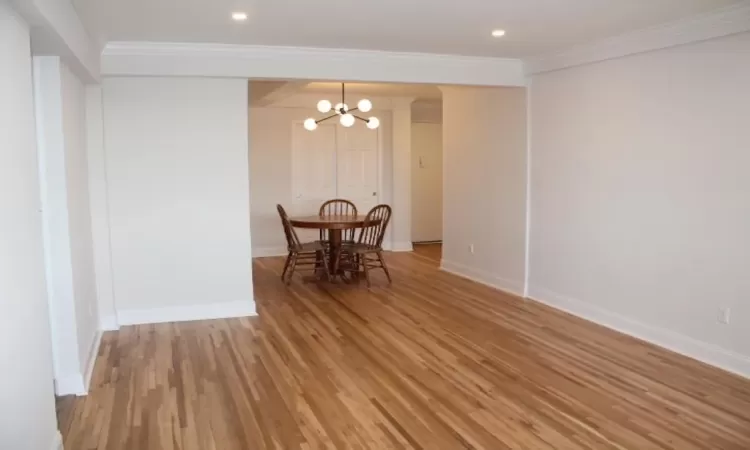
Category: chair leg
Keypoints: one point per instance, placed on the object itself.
(385, 267)
(364, 266)
(325, 266)
(321, 263)
(286, 266)
(292, 265)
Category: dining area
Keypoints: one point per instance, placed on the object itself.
(349, 245)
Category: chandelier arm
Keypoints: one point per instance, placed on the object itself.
(326, 118)
(361, 118)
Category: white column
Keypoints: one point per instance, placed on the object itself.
(27, 403)
(56, 225)
(401, 221)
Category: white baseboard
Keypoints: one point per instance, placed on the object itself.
(401, 247)
(187, 313)
(676, 342)
(72, 384)
(483, 277)
(109, 323)
(263, 252)
(57, 442)
(78, 383)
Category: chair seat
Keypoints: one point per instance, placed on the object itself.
(309, 247)
(362, 248)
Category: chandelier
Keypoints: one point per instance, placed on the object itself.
(341, 109)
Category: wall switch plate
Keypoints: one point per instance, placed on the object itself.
(471, 248)
(724, 315)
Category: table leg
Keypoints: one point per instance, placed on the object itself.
(334, 238)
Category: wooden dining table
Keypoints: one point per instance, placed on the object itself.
(335, 225)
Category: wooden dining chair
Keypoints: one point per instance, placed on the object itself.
(338, 207)
(301, 254)
(367, 252)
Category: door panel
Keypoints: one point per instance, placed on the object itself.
(313, 172)
(358, 166)
(333, 162)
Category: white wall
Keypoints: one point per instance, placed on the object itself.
(426, 182)
(484, 184)
(270, 130)
(427, 111)
(399, 230)
(27, 408)
(79, 214)
(639, 196)
(99, 206)
(177, 179)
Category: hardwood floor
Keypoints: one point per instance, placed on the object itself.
(434, 251)
(433, 362)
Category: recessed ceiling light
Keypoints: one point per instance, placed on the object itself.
(239, 16)
(498, 33)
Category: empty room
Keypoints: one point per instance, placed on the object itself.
(333, 225)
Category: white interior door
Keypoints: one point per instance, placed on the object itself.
(333, 162)
(357, 166)
(313, 171)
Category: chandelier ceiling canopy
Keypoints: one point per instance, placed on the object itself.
(341, 110)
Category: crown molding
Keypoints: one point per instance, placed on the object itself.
(722, 22)
(253, 61)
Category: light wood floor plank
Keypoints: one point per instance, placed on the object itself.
(432, 362)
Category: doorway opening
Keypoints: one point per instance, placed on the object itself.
(427, 178)
(300, 168)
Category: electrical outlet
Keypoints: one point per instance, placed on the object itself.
(471, 248)
(724, 314)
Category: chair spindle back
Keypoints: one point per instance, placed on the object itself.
(375, 225)
(338, 207)
(292, 240)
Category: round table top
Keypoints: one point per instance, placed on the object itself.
(330, 222)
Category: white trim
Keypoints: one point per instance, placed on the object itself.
(187, 313)
(57, 441)
(109, 323)
(264, 252)
(702, 351)
(78, 383)
(91, 361)
(71, 384)
(718, 23)
(482, 277)
(257, 61)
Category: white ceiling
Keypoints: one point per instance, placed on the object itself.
(534, 27)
